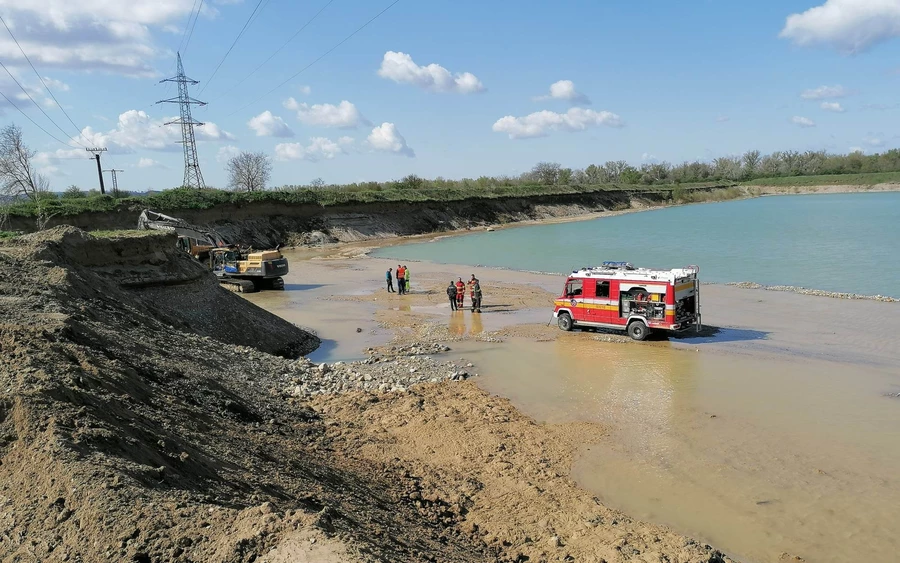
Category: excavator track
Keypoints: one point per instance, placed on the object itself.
(238, 286)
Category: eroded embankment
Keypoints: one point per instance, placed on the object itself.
(266, 224)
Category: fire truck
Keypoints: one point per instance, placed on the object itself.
(616, 295)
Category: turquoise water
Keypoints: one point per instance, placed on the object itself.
(835, 242)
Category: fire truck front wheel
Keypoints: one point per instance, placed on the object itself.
(564, 320)
(638, 330)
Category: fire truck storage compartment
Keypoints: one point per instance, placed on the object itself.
(639, 302)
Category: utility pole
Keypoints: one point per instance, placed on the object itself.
(96, 152)
(192, 176)
(115, 183)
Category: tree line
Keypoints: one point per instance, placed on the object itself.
(251, 171)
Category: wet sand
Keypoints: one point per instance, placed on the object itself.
(778, 434)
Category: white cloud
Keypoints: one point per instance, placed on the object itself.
(803, 121)
(387, 138)
(647, 157)
(400, 68)
(20, 98)
(539, 124)
(857, 149)
(722, 119)
(149, 163)
(565, 90)
(832, 106)
(344, 115)
(107, 36)
(318, 148)
(52, 171)
(226, 153)
(56, 85)
(825, 93)
(849, 26)
(136, 130)
(268, 125)
(874, 140)
(305, 90)
(881, 107)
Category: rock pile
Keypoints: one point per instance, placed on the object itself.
(379, 373)
(816, 292)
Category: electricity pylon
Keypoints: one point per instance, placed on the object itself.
(192, 176)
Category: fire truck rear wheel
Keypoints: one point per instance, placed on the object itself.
(564, 320)
(638, 330)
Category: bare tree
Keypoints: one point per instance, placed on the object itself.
(752, 161)
(18, 177)
(546, 173)
(317, 183)
(249, 171)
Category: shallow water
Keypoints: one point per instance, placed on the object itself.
(833, 242)
(757, 456)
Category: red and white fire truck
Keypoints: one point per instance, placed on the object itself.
(616, 295)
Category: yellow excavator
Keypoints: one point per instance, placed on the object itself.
(238, 269)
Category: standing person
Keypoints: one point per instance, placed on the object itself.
(406, 277)
(401, 279)
(471, 286)
(389, 278)
(460, 293)
(476, 299)
(451, 293)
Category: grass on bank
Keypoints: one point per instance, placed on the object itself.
(866, 179)
(183, 198)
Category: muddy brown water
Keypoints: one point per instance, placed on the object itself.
(777, 435)
(757, 456)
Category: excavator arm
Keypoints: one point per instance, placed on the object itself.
(152, 220)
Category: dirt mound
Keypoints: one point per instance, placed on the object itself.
(124, 439)
(147, 271)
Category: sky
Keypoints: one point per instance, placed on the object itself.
(452, 89)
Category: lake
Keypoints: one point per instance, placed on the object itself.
(833, 242)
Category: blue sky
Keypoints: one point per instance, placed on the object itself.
(631, 80)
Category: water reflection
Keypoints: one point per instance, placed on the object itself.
(461, 323)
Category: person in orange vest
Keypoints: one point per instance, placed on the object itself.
(401, 279)
(471, 286)
(460, 293)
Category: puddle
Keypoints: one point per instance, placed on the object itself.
(755, 456)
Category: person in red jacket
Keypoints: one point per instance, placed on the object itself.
(460, 293)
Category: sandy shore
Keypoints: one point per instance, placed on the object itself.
(338, 291)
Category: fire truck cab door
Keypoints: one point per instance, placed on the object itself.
(574, 293)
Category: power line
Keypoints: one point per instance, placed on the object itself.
(294, 36)
(187, 25)
(77, 128)
(36, 104)
(325, 54)
(191, 34)
(236, 39)
(33, 121)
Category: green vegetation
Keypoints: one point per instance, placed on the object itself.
(424, 191)
(685, 183)
(869, 179)
(8, 234)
